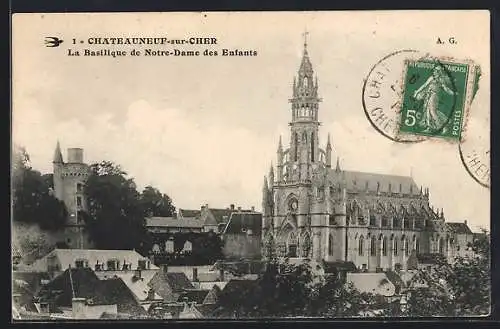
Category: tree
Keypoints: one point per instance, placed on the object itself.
(115, 217)
(154, 203)
(296, 290)
(459, 289)
(33, 201)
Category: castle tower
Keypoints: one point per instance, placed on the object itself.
(69, 182)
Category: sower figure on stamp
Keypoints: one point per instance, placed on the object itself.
(432, 118)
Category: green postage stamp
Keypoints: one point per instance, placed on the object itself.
(435, 98)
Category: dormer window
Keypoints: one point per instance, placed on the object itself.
(81, 263)
(141, 265)
(112, 265)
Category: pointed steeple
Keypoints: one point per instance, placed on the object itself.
(57, 154)
(337, 167)
(271, 174)
(280, 146)
(306, 69)
(328, 143)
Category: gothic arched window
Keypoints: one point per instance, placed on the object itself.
(384, 246)
(441, 246)
(373, 246)
(417, 246)
(395, 246)
(306, 245)
(292, 245)
(330, 245)
(361, 245)
(296, 142)
(312, 147)
(406, 247)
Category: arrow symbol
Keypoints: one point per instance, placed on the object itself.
(53, 41)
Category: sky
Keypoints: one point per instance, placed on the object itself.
(205, 130)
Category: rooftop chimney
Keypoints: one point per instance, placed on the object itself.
(239, 208)
(252, 208)
(78, 308)
(465, 222)
(195, 274)
(231, 206)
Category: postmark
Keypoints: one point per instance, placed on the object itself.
(382, 95)
(474, 146)
(434, 98)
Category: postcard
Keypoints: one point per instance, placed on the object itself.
(250, 165)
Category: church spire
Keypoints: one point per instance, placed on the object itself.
(57, 154)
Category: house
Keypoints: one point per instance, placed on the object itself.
(79, 292)
(460, 240)
(425, 261)
(25, 285)
(137, 282)
(157, 225)
(59, 260)
(213, 219)
(170, 285)
(338, 269)
(242, 236)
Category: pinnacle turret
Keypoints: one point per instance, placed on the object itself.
(337, 167)
(57, 154)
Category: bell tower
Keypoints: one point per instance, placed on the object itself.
(304, 125)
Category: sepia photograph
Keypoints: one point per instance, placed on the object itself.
(250, 165)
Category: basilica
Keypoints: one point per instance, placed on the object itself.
(313, 210)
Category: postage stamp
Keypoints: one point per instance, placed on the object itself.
(435, 98)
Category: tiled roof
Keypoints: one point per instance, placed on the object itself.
(197, 296)
(189, 213)
(395, 279)
(87, 285)
(205, 309)
(332, 267)
(208, 276)
(221, 215)
(376, 283)
(357, 181)
(139, 287)
(242, 222)
(178, 282)
(173, 223)
(115, 291)
(236, 290)
(67, 257)
(459, 228)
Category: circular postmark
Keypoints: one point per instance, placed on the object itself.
(409, 96)
(474, 147)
